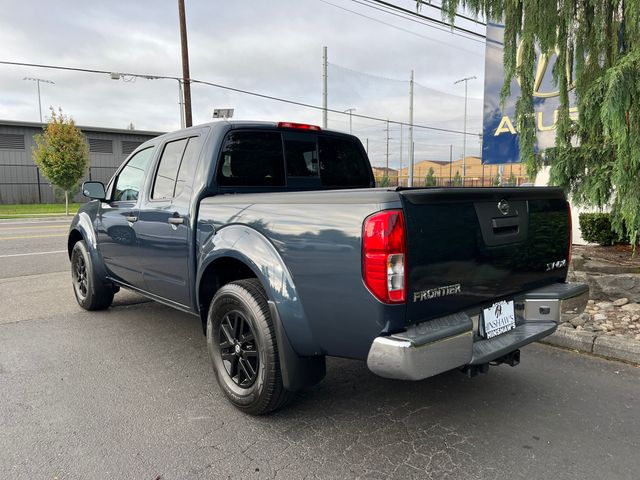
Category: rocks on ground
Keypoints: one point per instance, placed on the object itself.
(616, 318)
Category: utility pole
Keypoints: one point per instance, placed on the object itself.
(186, 81)
(450, 164)
(400, 169)
(38, 80)
(386, 169)
(350, 111)
(410, 184)
(325, 93)
(464, 137)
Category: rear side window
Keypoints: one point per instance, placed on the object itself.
(167, 173)
(342, 163)
(188, 166)
(252, 159)
(176, 168)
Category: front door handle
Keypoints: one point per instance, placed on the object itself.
(176, 220)
(132, 218)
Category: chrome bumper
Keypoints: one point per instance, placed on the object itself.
(446, 343)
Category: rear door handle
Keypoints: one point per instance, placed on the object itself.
(132, 218)
(176, 220)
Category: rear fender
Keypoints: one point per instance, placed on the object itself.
(249, 246)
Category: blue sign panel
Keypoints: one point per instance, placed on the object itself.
(500, 136)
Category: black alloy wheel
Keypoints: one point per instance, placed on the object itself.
(92, 292)
(242, 346)
(79, 274)
(238, 349)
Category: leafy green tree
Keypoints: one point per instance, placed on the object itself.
(457, 179)
(512, 179)
(597, 158)
(62, 153)
(496, 181)
(430, 179)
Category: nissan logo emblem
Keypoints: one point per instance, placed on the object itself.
(503, 206)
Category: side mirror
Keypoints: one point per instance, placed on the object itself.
(94, 190)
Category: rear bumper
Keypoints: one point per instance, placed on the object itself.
(450, 342)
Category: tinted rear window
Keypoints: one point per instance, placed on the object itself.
(257, 159)
(342, 163)
(252, 159)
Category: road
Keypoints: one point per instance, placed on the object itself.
(128, 393)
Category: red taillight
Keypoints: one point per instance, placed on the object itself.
(384, 256)
(299, 126)
(570, 233)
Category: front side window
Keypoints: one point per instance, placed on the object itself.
(131, 178)
(252, 159)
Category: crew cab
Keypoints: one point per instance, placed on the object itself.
(276, 237)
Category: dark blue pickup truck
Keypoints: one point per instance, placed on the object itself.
(276, 237)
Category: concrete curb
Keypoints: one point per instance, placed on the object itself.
(614, 348)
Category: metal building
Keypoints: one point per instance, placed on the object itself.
(22, 182)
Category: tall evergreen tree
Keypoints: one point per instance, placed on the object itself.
(430, 179)
(597, 158)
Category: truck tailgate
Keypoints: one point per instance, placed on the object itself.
(470, 247)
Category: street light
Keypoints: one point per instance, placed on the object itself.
(38, 80)
(118, 76)
(350, 111)
(464, 137)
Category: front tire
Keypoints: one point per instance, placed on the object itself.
(91, 293)
(242, 345)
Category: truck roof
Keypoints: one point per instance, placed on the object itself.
(250, 124)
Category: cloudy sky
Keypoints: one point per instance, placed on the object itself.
(267, 46)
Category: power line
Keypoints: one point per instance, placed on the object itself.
(459, 15)
(317, 107)
(431, 24)
(420, 19)
(237, 90)
(425, 17)
(403, 29)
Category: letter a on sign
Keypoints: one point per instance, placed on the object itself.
(505, 126)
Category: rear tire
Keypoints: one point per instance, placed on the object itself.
(242, 345)
(91, 293)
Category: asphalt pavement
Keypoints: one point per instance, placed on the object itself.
(128, 393)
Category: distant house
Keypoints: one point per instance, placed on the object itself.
(22, 182)
(380, 172)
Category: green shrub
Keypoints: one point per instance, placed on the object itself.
(596, 228)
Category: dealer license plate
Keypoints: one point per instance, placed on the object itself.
(498, 319)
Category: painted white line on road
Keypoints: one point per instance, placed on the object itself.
(34, 253)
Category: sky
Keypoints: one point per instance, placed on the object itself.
(272, 47)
